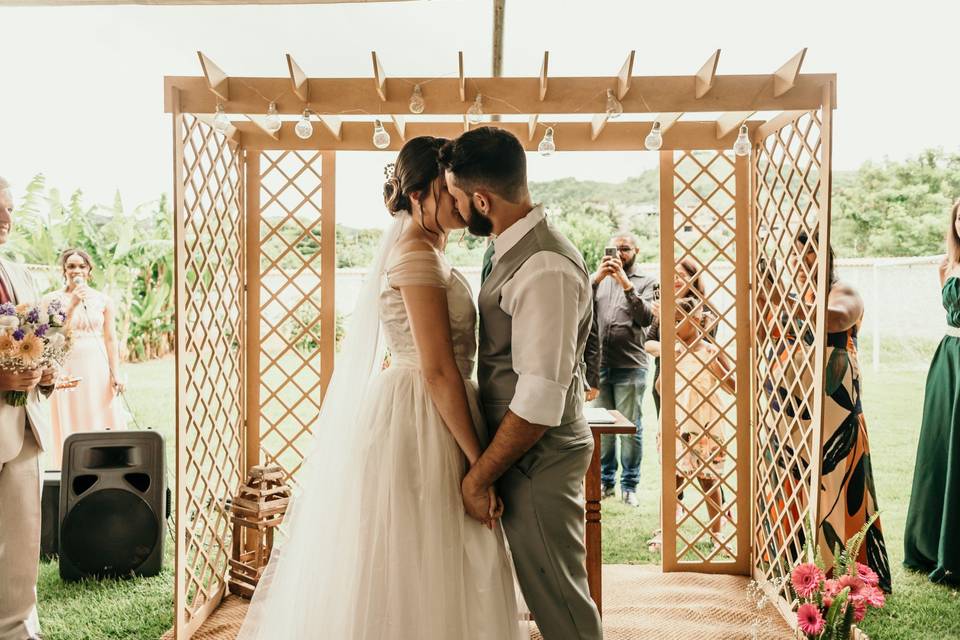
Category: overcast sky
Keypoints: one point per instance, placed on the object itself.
(81, 94)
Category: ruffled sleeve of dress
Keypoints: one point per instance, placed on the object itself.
(422, 268)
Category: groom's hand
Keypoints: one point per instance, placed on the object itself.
(476, 500)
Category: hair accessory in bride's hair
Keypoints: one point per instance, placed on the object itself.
(389, 170)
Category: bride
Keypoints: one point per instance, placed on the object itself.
(378, 545)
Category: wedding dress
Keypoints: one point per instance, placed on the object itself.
(378, 545)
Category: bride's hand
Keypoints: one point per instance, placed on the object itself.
(495, 507)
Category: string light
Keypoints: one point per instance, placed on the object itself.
(614, 108)
(273, 122)
(220, 121)
(304, 128)
(654, 139)
(417, 103)
(546, 146)
(475, 112)
(742, 146)
(381, 139)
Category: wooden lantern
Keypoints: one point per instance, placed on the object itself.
(256, 511)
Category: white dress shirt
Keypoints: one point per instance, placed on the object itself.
(546, 298)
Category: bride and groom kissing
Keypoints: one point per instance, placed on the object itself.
(395, 530)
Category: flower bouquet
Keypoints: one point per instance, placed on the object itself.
(828, 608)
(32, 336)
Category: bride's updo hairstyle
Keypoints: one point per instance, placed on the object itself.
(415, 170)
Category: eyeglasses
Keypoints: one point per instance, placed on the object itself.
(625, 249)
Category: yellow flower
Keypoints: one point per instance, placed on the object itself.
(30, 349)
(6, 343)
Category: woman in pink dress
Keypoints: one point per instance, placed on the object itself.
(93, 363)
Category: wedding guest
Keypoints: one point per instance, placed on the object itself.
(686, 283)
(933, 521)
(847, 490)
(699, 422)
(93, 404)
(622, 297)
(22, 438)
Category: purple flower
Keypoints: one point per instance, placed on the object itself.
(18, 334)
(41, 330)
(33, 315)
(54, 306)
(8, 309)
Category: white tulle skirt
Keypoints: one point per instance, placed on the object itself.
(377, 545)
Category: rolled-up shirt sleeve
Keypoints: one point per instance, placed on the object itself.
(545, 299)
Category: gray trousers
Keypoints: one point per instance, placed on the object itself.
(544, 522)
(20, 542)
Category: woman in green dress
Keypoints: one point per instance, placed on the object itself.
(932, 538)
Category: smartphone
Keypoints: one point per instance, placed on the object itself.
(610, 252)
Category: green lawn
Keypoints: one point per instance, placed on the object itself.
(917, 610)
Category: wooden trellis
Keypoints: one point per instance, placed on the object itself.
(255, 281)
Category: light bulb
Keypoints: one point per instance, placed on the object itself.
(742, 146)
(381, 139)
(273, 122)
(475, 112)
(417, 103)
(304, 128)
(654, 139)
(614, 108)
(546, 146)
(220, 121)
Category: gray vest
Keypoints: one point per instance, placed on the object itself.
(495, 375)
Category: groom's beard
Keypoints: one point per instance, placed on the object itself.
(478, 224)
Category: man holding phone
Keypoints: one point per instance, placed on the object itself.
(623, 299)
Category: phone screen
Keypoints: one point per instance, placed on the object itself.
(610, 252)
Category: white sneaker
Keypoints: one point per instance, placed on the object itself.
(630, 498)
(609, 492)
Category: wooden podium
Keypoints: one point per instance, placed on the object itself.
(594, 495)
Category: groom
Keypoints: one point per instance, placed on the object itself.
(21, 440)
(536, 309)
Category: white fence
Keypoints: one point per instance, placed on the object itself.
(903, 323)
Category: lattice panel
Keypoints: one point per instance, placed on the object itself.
(210, 402)
(292, 361)
(706, 468)
(787, 229)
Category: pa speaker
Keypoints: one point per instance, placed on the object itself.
(112, 504)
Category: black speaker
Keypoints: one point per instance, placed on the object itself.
(50, 514)
(112, 504)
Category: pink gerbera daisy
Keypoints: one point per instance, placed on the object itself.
(867, 574)
(809, 619)
(806, 579)
(855, 584)
(831, 588)
(859, 611)
(874, 597)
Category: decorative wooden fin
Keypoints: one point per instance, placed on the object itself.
(667, 120)
(532, 126)
(623, 77)
(401, 126)
(597, 125)
(727, 122)
(786, 76)
(707, 74)
(379, 77)
(543, 75)
(463, 82)
(334, 125)
(217, 81)
(298, 79)
(261, 122)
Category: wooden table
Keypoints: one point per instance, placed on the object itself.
(594, 495)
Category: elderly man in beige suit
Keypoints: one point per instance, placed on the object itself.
(22, 433)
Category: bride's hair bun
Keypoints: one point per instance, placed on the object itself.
(393, 196)
(415, 170)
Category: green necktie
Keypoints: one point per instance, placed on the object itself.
(487, 262)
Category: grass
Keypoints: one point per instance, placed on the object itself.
(141, 609)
